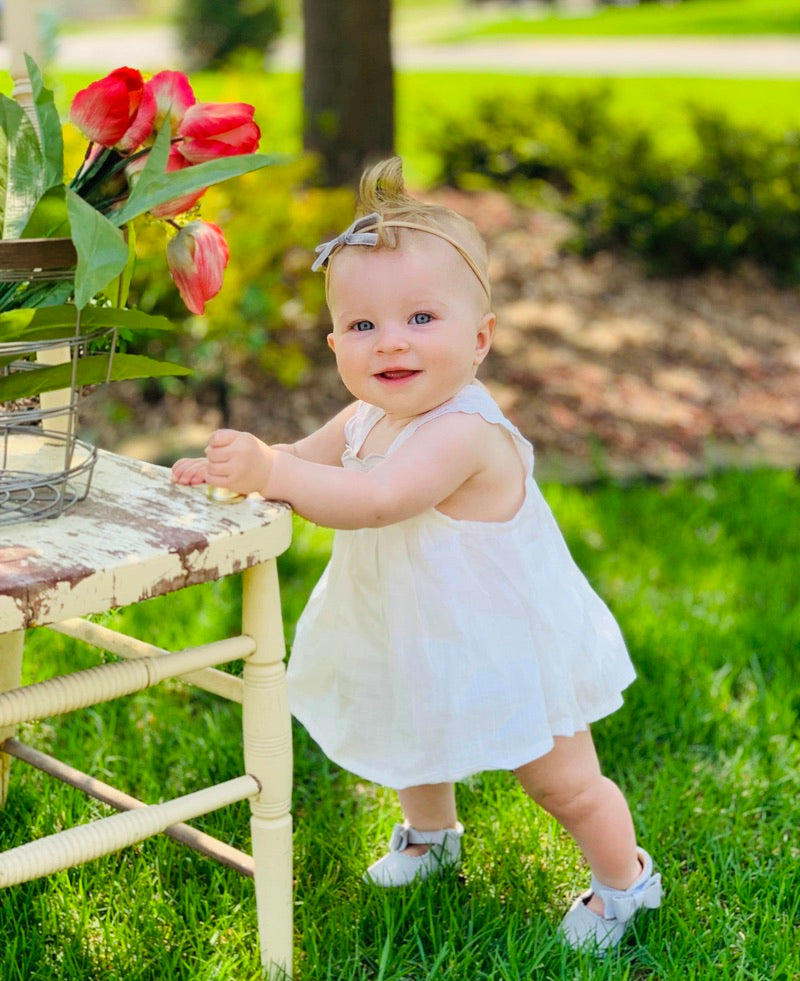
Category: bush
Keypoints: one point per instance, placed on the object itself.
(270, 300)
(736, 197)
(545, 137)
(214, 31)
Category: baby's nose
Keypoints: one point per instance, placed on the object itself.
(391, 337)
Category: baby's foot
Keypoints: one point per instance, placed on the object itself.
(416, 855)
(585, 927)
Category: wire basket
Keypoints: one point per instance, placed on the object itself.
(44, 467)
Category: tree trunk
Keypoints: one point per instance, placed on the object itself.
(348, 85)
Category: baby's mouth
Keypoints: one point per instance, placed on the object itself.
(395, 374)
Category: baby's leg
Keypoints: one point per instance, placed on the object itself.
(567, 783)
(428, 807)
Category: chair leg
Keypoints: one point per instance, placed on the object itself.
(268, 757)
(11, 645)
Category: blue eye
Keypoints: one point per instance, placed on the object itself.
(421, 318)
(363, 325)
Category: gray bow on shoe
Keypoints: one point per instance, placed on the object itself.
(622, 905)
(402, 837)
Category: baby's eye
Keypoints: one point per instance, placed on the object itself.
(421, 318)
(363, 325)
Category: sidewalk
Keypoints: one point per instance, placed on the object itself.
(151, 48)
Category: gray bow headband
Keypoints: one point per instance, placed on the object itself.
(355, 236)
(350, 236)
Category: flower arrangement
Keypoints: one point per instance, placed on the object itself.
(153, 150)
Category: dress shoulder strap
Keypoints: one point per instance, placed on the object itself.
(473, 398)
(359, 425)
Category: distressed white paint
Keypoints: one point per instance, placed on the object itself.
(137, 535)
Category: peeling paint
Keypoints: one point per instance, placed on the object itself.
(136, 536)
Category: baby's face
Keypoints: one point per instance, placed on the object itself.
(410, 325)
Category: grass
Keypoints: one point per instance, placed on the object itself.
(695, 18)
(704, 578)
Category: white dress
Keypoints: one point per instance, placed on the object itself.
(435, 648)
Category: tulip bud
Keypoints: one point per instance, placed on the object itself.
(217, 129)
(197, 257)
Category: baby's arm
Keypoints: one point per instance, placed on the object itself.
(326, 445)
(438, 460)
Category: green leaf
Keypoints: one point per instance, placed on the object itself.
(52, 142)
(154, 168)
(22, 173)
(164, 187)
(102, 249)
(35, 295)
(92, 370)
(47, 323)
(124, 284)
(49, 218)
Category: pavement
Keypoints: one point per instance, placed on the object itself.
(107, 46)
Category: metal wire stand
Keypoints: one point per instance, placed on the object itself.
(44, 468)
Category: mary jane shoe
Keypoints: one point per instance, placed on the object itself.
(399, 869)
(583, 928)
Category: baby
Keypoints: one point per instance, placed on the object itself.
(451, 631)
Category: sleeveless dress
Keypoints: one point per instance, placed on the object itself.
(435, 648)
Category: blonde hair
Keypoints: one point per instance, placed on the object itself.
(382, 191)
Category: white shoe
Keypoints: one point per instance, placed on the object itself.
(582, 927)
(399, 869)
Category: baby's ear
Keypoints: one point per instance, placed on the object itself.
(331, 343)
(483, 339)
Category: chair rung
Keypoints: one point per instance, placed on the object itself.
(217, 682)
(201, 842)
(88, 841)
(107, 681)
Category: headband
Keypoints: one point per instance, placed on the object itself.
(362, 232)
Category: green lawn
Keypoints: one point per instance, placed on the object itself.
(691, 17)
(704, 577)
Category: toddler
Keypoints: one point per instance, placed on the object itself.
(451, 631)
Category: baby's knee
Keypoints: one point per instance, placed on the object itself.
(569, 800)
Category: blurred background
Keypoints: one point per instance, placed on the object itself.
(635, 168)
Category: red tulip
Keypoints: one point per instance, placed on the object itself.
(116, 110)
(173, 95)
(217, 129)
(197, 257)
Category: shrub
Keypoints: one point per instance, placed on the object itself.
(213, 31)
(546, 137)
(259, 323)
(737, 196)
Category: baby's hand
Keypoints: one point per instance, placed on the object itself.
(238, 461)
(189, 470)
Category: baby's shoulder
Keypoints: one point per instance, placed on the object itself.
(461, 422)
(470, 433)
